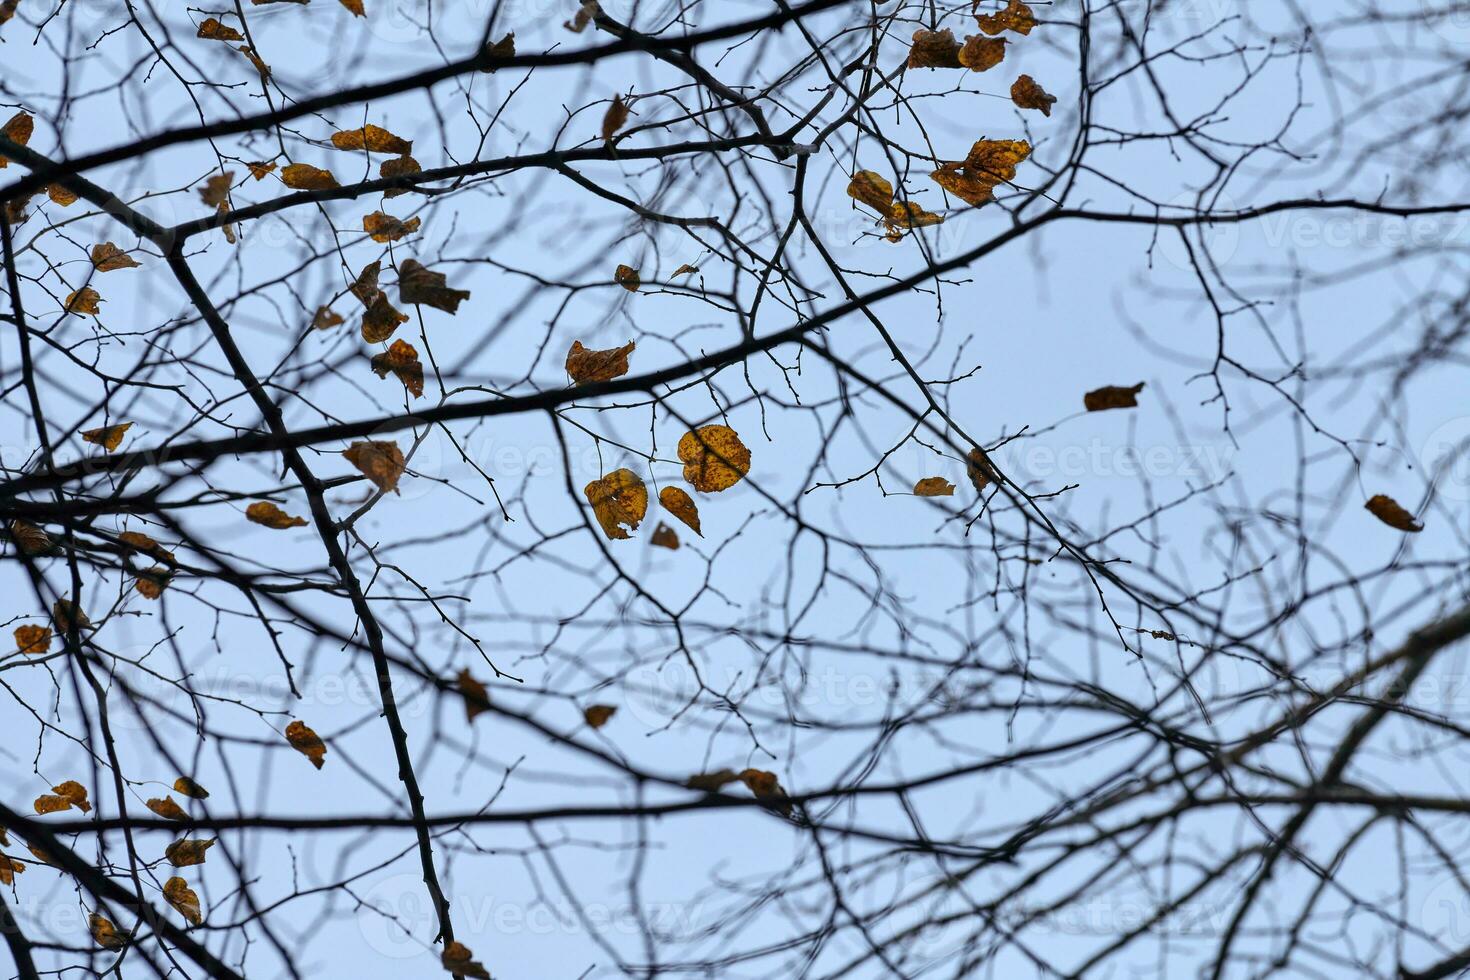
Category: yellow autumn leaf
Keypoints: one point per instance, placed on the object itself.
(355, 6)
(305, 177)
(614, 119)
(677, 502)
(61, 195)
(212, 30)
(183, 899)
(267, 514)
(457, 958)
(152, 581)
(597, 715)
(714, 458)
(374, 139)
(712, 782)
(398, 167)
(17, 130)
(63, 797)
(306, 741)
(9, 868)
(627, 277)
(934, 49)
(766, 788)
(906, 214)
(187, 787)
(166, 807)
(326, 318)
(586, 366)
(617, 499)
(1015, 17)
(934, 486)
(419, 285)
(1392, 513)
(262, 169)
(109, 437)
(1112, 396)
(871, 189)
(104, 933)
(216, 190)
(988, 164)
(107, 257)
(476, 698)
(384, 228)
(380, 320)
(380, 462)
(403, 361)
(664, 537)
(33, 640)
(1026, 93)
(188, 851)
(83, 301)
(982, 53)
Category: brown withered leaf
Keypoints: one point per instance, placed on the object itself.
(18, 130)
(458, 958)
(139, 541)
(583, 17)
(267, 514)
(307, 742)
(597, 715)
(988, 164)
(871, 189)
(64, 614)
(261, 169)
(152, 581)
(767, 789)
(979, 470)
(934, 486)
(380, 462)
(107, 257)
(1112, 396)
(183, 899)
(216, 190)
(188, 851)
(403, 361)
(934, 49)
(586, 366)
(212, 30)
(617, 499)
(385, 228)
(83, 301)
(714, 458)
(104, 933)
(381, 319)
(33, 640)
(614, 119)
(15, 209)
(398, 167)
(664, 537)
(503, 48)
(374, 139)
(40, 855)
(1027, 93)
(422, 286)
(905, 215)
(109, 437)
(476, 698)
(1015, 17)
(255, 60)
(64, 796)
(9, 868)
(677, 502)
(7, 11)
(166, 808)
(187, 787)
(305, 177)
(365, 287)
(627, 277)
(29, 539)
(684, 270)
(326, 318)
(712, 782)
(982, 53)
(355, 6)
(1390, 512)
(63, 197)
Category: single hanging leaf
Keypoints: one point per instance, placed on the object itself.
(684, 270)
(306, 741)
(712, 782)
(934, 49)
(380, 462)
(187, 787)
(597, 715)
(66, 795)
(17, 130)
(767, 789)
(109, 437)
(421, 286)
(33, 640)
(267, 514)
(871, 189)
(714, 458)
(398, 167)
(476, 698)
(586, 366)
(261, 170)
(326, 318)
(83, 301)
(677, 502)
(982, 53)
(255, 60)
(104, 933)
(183, 899)
(305, 177)
(664, 537)
(381, 319)
(1390, 512)
(212, 30)
(30, 539)
(9, 868)
(384, 228)
(65, 615)
(61, 195)
(617, 499)
(365, 287)
(1111, 396)
(627, 277)
(934, 486)
(503, 48)
(1015, 17)
(583, 17)
(1027, 94)
(107, 257)
(216, 190)
(988, 164)
(168, 809)
(188, 851)
(457, 958)
(979, 470)
(356, 7)
(403, 360)
(7, 11)
(151, 582)
(374, 139)
(614, 118)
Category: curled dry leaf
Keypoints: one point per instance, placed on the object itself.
(326, 318)
(107, 257)
(305, 177)
(979, 470)
(617, 499)
(374, 139)
(187, 787)
(684, 270)
(906, 214)
(1112, 396)
(64, 796)
(9, 868)
(183, 899)
(988, 164)
(404, 166)
(503, 48)
(597, 715)
(67, 617)
(871, 189)
(1027, 93)
(83, 301)
(583, 17)
(714, 458)
(457, 958)
(476, 698)
(306, 741)
(17, 130)
(712, 782)
(30, 539)
(767, 789)
(381, 319)
(61, 195)
(385, 228)
(365, 286)
(267, 514)
(627, 277)
(422, 286)
(1015, 17)
(934, 486)
(1390, 512)
(355, 6)
(262, 169)
(212, 30)
(188, 851)
(216, 190)
(614, 119)
(152, 581)
(104, 933)
(255, 60)
(934, 49)
(109, 437)
(403, 360)
(678, 502)
(664, 537)
(380, 462)
(166, 808)
(33, 640)
(7, 11)
(982, 53)
(586, 366)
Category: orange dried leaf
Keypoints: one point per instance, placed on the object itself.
(306, 741)
(30, 539)
(714, 458)
(381, 319)
(151, 582)
(1112, 396)
(385, 228)
(355, 6)
(403, 360)
(83, 301)
(398, 167)
(586, 366)
(627, 277)
(262, 169)
(1026, 93)
(871, 189)
(906, 214)
(107, 257)
(365, 287)
(187, 787)
(934, 486)
(267, 514)
(617, 499)
(104, 933)
(212, 30)
(61, 195)
(422, 286)
(33, 640)
(767, 789)
(1390, 512)
(17, 130)
(614, 119)
(934, 49)
(166, 807)
(476, 698)
(305, 177)
(255, 60)
(216, 190)
(712, 782)
(380, 462)
(188, 851)
(597, 715)
(64, 796)
(457, 958)
(684, 270)
(9, 868)
(982, 53)
(677, 502)
(989, 163)
(1015, 17)
(109, 437)
(664, 537)
(374, 139)
(979, 470)
(183, 899)
(326, 318)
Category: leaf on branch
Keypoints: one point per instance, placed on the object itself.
(385, 228)
(664, 537)
(618, 498)
(403, 360)
(503, 48)
(712, 782)
(365, 288)
(934, 486)
(597, 715)
(212, 30)
(151, 582)
(982, 53)
(7, 11)
(979, 470)
(677, 502)
(767, 789)
(714, 458)
(107, 257)
(1026, 93)
(260, 66)
(17, 130)
(934, 49)
(188, 851)
(476, 698)
(989, 163)
(306, 741)
(9, 868)
(187, 787)
(60, 195)
(684, 270)
(871, 189)
(1015, 17)
(183, 899)
(216, 190)
(83, 301)
(627, 277)
(586, 366)
(267, 514)
(262, 169)
(64, 614)
(398, 167)
(1112, 396)
(457, 958)
(380, 462)
(326, 318)
(104, 933)
(614, 119)
(166, 807)
(374, 139)
(142, 542)
(109, 437)
(64, 796)
(355, 6)
(33, 640)
(583, 17)
(30, 539)
(381, 319)
(906, 214)
(422, 286)
(305, 177)
(1390, 512)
